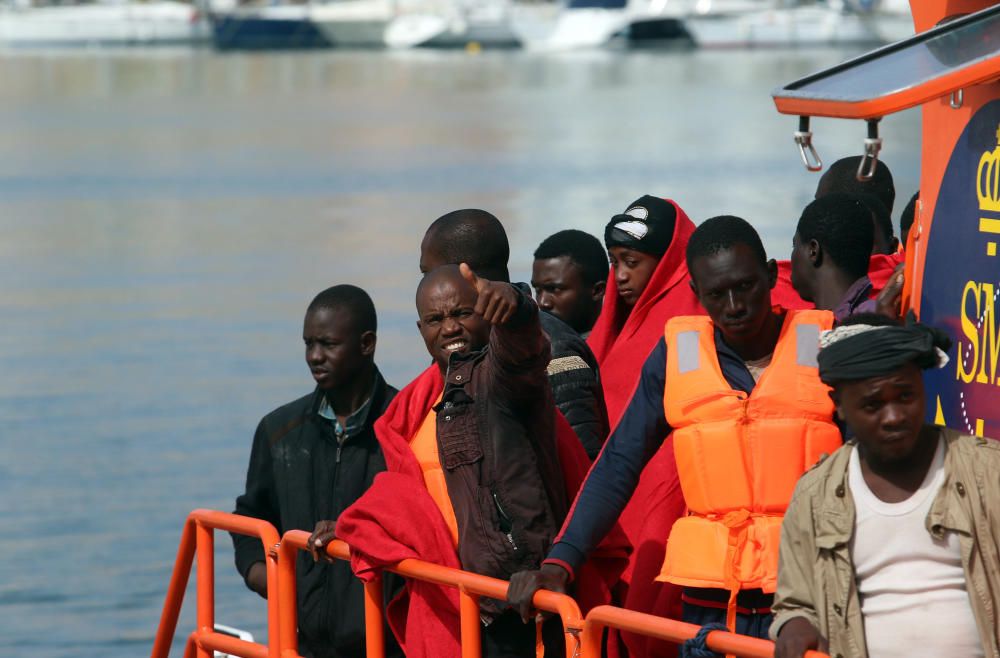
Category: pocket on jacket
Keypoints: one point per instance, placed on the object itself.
(458, 436)
(502, 542)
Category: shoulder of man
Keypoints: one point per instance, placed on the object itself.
(830, 467)
(565, 341)
(978, 448)
(287, 417)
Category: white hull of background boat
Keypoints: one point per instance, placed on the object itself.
(354, 23)
(154, 23)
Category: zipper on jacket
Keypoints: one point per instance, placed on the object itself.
(506, 524)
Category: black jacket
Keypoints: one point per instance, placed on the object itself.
(576, 384)
(497, 444)
(299, 475)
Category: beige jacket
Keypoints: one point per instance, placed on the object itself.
(815, 572)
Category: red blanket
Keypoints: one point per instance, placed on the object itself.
(396, 519)
(381, 530)
(621, 340)
(880, 269)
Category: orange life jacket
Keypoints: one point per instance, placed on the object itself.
(739, 456)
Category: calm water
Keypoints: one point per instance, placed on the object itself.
(166, 218)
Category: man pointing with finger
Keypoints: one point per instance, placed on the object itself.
(477, 431)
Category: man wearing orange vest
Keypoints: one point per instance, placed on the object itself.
(739, 396)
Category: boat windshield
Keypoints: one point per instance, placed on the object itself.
(906, 64)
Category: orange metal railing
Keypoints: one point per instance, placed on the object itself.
(470, 588)
(583, 636)
(198, 538)
(670, 630)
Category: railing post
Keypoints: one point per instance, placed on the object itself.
(374, 619)
(472, 625)
(273, 602)
(175, 592)
(590, 639)
(288, 638)
(206, 583)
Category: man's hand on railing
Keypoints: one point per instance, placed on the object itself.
(322, 535)
(524, 584)
(797, 636)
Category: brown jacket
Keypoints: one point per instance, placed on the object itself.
(815, 572)
(497, 441)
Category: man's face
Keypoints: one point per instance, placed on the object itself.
(447, 319)
(561, 291)
(633, 270)
(885, 413)
(735, 288)
(336, 351)
(801, 268)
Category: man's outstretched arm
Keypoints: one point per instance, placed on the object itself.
(607, 489)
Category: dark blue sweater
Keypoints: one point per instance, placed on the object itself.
(640, 432)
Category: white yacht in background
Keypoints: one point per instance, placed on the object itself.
(161, 22)
(456, 24)
(354, 23)
(742, 23)
(580, 24)
(584, 24)
(893, 20)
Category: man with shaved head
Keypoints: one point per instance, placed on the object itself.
(477, 238)
(475, 448)
(312, 458)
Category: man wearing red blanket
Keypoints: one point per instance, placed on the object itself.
(475, 477)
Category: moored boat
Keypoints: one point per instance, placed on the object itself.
(459, 24)
(278, 27)
(163, 22)
(354, 23)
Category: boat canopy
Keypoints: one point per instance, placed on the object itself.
(941, 61)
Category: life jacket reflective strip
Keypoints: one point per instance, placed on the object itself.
(425, 448)
(739, 456)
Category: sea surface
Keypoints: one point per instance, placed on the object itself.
(166, 216)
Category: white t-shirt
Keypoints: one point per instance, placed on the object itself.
(912, 586)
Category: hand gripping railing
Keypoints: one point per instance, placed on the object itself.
(470, 588)
(198, 538)
(670, 630)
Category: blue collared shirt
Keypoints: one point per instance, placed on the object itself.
(354, 423)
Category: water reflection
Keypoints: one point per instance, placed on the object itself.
(166, 217)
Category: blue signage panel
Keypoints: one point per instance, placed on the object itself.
(961, 287)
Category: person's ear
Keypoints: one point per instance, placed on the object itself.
(368, 341)
(835, 396)
(597, 291)
(815, 253)
(772, 274)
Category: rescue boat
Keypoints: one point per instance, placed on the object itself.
(950, 69)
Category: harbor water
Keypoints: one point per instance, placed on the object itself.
(166, 216)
